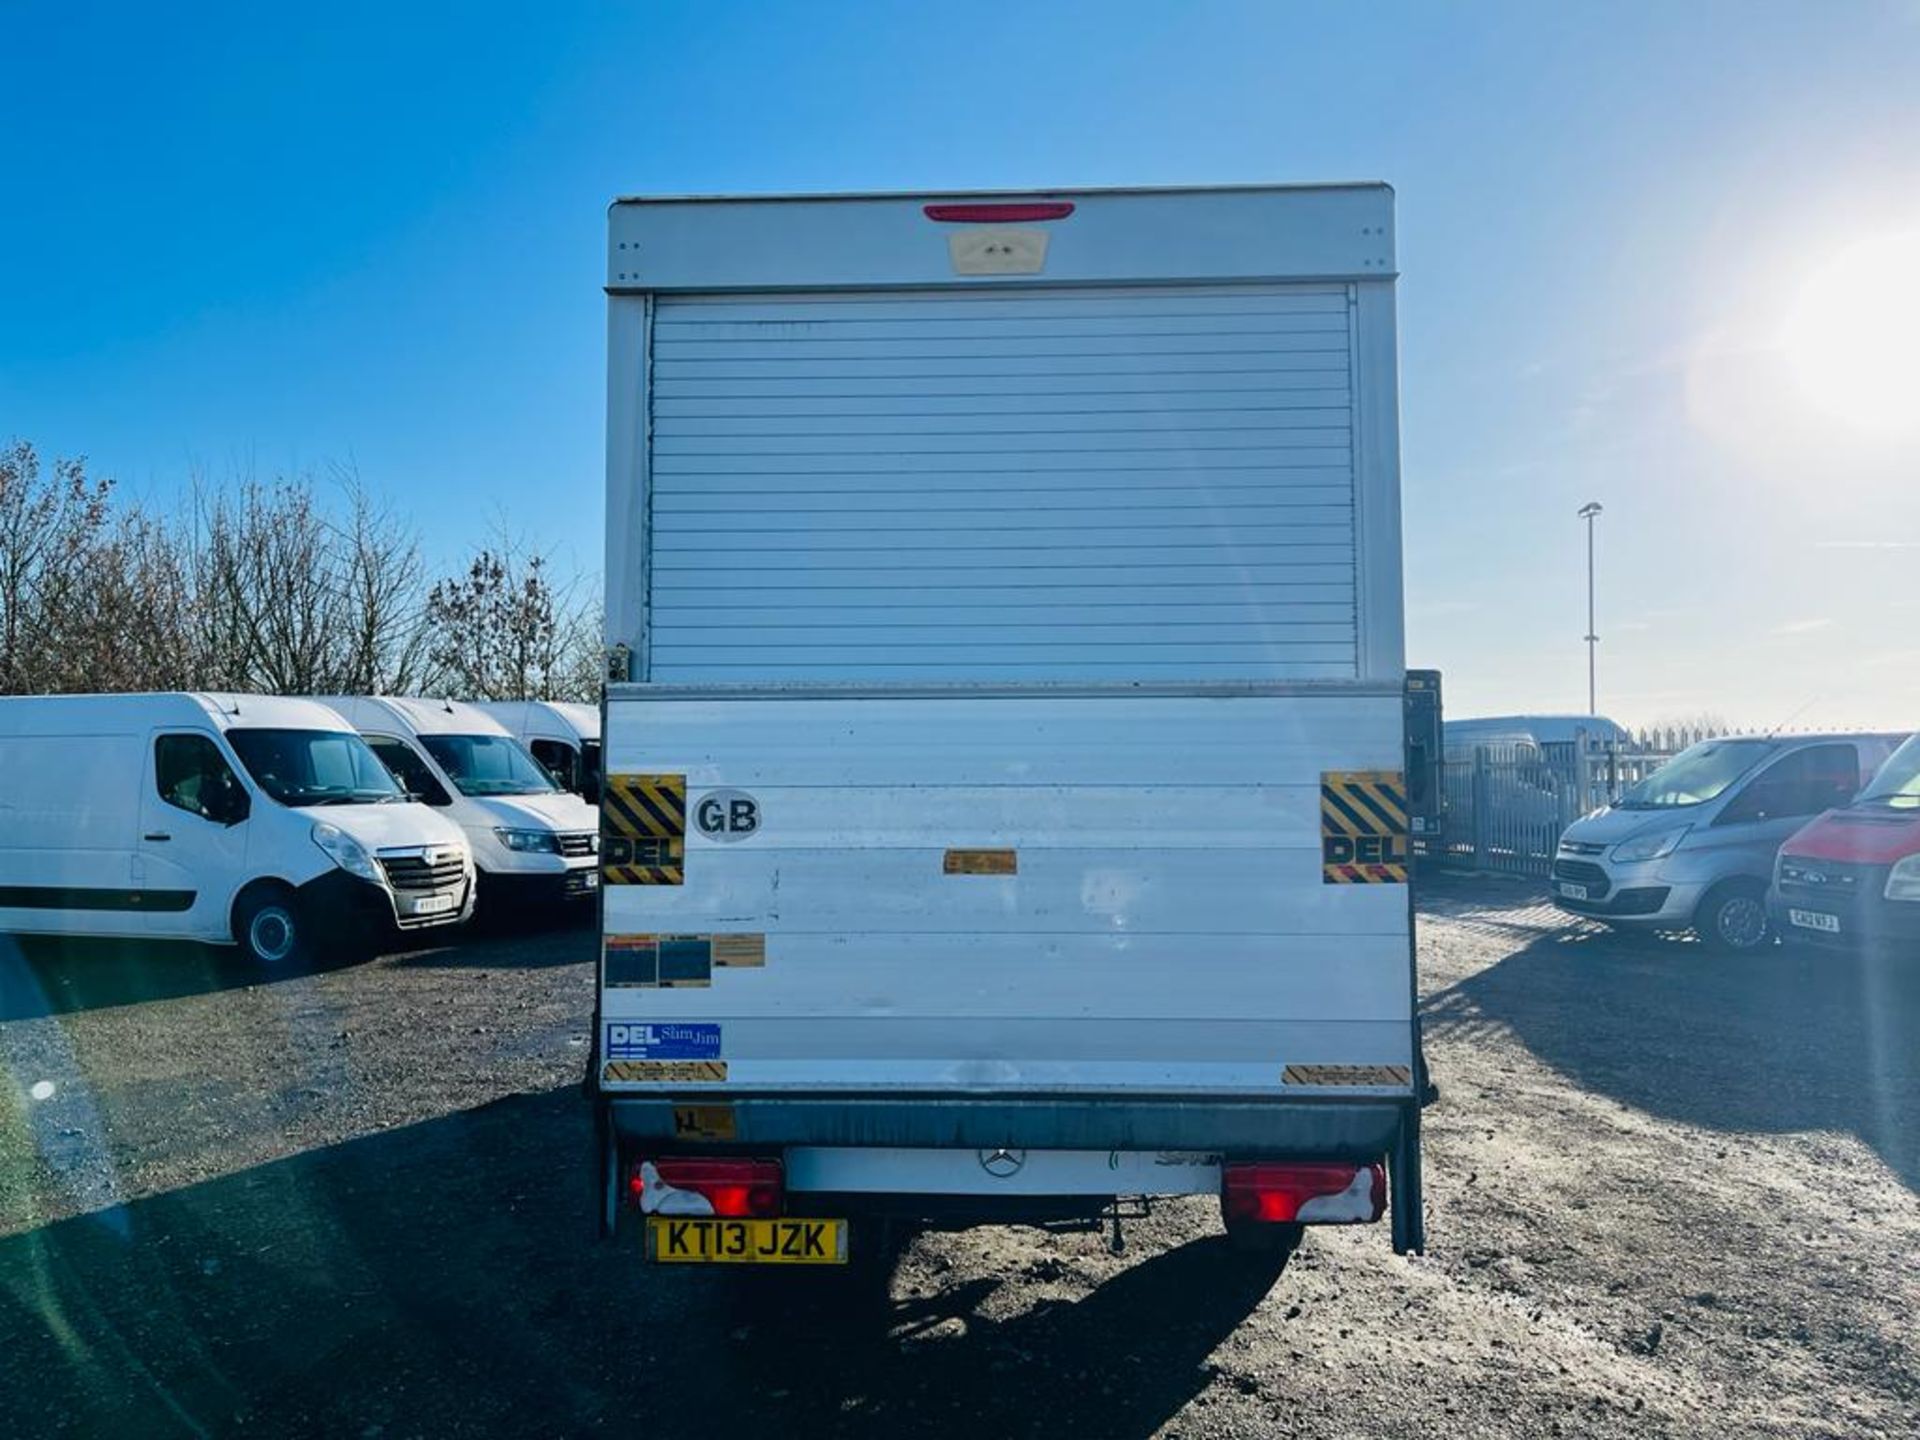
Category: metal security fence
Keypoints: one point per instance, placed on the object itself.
(1506, 804)
(1505, 808)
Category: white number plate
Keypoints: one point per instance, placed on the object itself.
(1573, 892)
(1815, 920)
(432, 904)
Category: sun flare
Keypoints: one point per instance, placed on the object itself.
(1853, 338)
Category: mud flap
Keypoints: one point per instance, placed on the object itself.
(1405, 1204)
(606, 1171)
(605, 1168)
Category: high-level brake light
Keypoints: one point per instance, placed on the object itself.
(1001, 212)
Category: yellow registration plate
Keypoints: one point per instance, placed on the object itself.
(746, 1242)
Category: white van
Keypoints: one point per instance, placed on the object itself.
(562, 735)
(234, 819)
(533, 843)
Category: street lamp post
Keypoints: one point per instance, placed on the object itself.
(1589, 512)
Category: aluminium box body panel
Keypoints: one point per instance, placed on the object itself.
(1028, 611)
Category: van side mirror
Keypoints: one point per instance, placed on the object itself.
(229, 806)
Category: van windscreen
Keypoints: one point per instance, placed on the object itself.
(1897, 786)
(314, 767)
(1696, 775)
(488, 765)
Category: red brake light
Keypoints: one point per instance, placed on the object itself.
(1277, 1193)
(731, 1187)
(1001, 212)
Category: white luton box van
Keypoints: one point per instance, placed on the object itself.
(533, 843)
(248, 819)
(1004, 809)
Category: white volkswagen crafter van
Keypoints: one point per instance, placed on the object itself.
(235, 819)
(562, 735)
(1692, 845)
(533, 843)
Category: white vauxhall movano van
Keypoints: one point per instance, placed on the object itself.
(533, 843)
(247, 819)
(562, 735)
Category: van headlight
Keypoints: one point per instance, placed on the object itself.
(345, 851)
(530, 842)
(1652, 845)
(1903, 881)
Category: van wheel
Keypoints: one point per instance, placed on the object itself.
(268, 927)
(1733, 918)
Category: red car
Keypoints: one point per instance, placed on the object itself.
(1852, 877)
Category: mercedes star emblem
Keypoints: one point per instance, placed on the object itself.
(1002, 1163)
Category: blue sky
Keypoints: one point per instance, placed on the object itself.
(278, 237)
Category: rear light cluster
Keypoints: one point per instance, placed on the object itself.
(706, 1185)
(1310, 1194)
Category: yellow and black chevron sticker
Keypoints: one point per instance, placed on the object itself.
(643, 830)
(639, 1071)
(1346, 1075)
(1363, 827)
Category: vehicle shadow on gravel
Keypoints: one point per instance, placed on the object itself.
(50, 975)
(1789, 1040)
(526, 943)
(442, 1278)
(1116, 1362)
(43, 975)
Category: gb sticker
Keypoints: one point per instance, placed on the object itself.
(727, 815)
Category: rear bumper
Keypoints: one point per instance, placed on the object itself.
(1357, 1130)
(1360, 1131)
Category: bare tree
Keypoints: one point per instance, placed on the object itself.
(386, 642)
(294, 598)
(268, 586)
(127, 628)
(505, 629)
(580, 666)
(285, 586)
(50, 525)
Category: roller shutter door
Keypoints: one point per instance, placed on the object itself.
(1139, 484)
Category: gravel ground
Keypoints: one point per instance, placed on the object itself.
(1669, 1194)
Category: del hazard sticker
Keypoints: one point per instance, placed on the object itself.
(643, 830)
(1363, 827)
